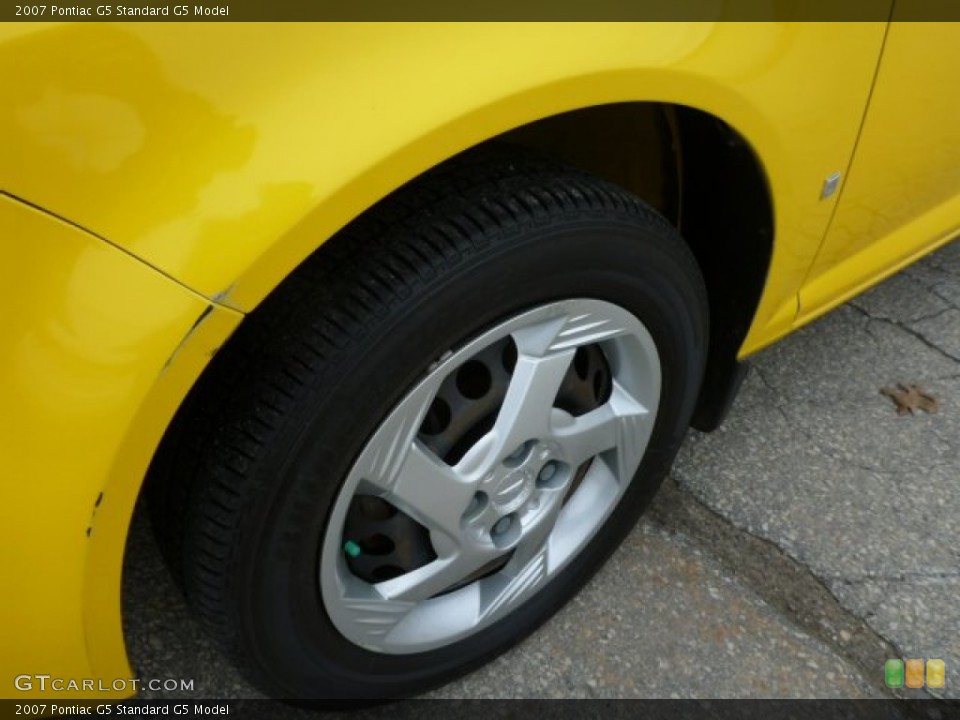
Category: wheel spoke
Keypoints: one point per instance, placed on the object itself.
(437, 576)
(621, 423)
(534, 539)
(582, 513)
(527, 568)
(526, 409)
(430, 491)
(373, 618)
(530, 563)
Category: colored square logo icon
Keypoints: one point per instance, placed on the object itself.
(893, 673)
(914, 673)
(936, 673)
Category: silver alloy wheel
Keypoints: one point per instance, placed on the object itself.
(513, 510)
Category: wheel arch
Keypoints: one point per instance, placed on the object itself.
(708, 181)
(666, 127)
(692, 166)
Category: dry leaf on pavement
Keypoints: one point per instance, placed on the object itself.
(908, 398)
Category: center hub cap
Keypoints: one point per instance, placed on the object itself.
(512, 490)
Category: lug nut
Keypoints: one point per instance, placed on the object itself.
(477, 502)
(547, 472)
(502, 525)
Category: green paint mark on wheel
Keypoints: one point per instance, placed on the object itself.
(352, 549)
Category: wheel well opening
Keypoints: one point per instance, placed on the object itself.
(704, 177)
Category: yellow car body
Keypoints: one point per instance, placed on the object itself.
(158, 180)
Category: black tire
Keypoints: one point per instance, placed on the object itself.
(255, 457)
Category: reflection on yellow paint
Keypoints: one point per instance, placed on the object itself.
(72, 124)
(224, 154)
(97, 104)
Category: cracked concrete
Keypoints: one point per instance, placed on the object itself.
(867, 500)
(789, 554)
